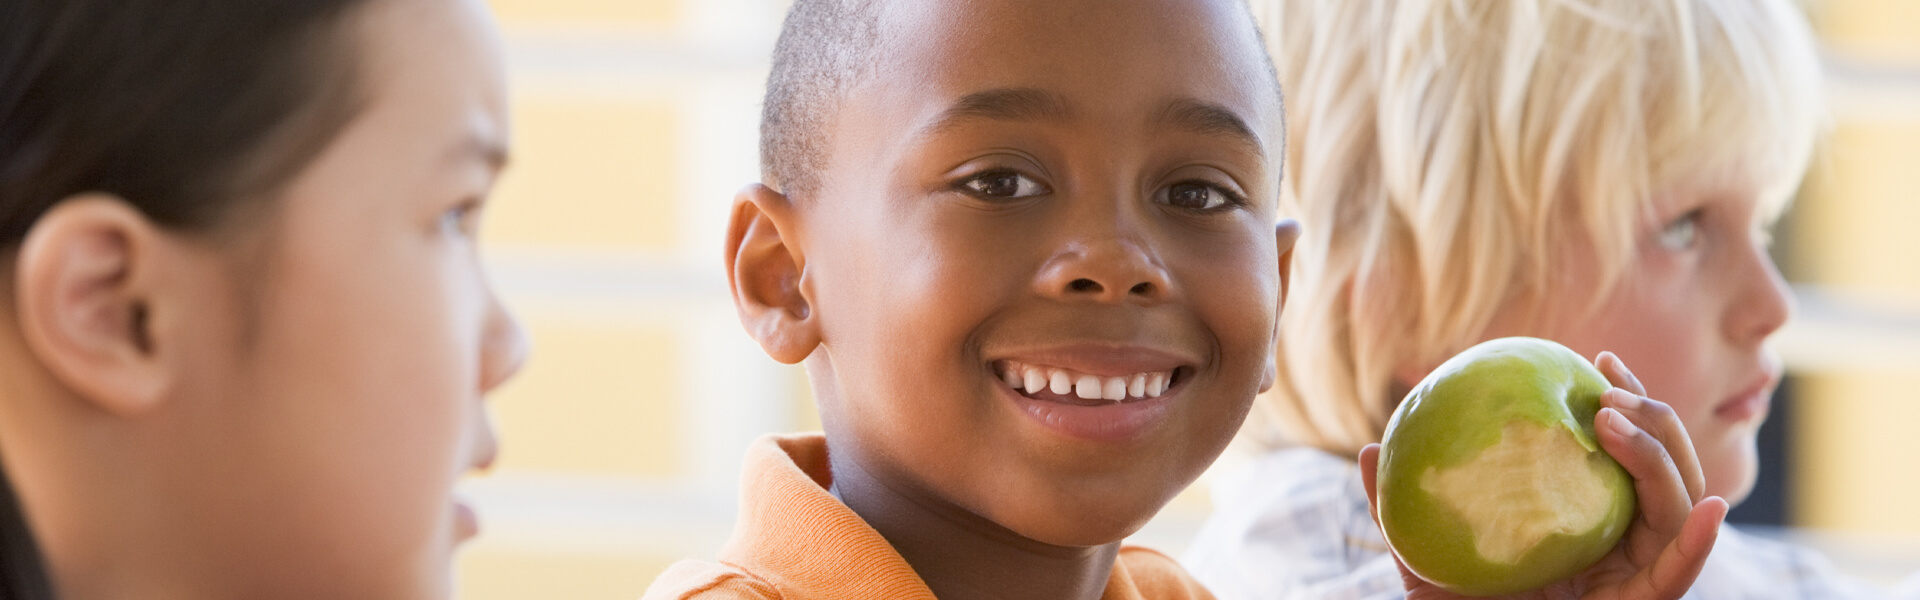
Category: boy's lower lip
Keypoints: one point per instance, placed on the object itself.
(1751, 403)
(1107, 422)
(1746, 407)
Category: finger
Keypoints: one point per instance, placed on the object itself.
(1663, 499)
(1659, 420)
(1369, 468)
(1369, 471)
(1618, 374)
(1679, 563)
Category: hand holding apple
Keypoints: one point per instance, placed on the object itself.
(1665, 545)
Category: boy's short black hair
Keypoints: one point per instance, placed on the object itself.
(824, 46)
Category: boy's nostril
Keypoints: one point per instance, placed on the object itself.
(1084, 285)
(1142, 289)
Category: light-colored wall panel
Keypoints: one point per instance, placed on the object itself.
(1857, 223)
(1854, 466)
(1879, 30)
(594, 401)
(590, 173)
(505, 574)
(644, 13)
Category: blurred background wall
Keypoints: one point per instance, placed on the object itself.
(636, 120)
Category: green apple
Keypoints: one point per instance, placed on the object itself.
(1491, 480)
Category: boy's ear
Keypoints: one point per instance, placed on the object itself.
(83, 286)
(765, 270)
(1285, 235)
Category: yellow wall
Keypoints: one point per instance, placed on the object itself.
(589, 173)
(1854, 469)
(1878, 30)
(598, 13)
(593, 400)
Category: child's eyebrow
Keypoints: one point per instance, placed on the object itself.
(1002, 104)
(489, 151)
(1206, 118)
(1030, 104)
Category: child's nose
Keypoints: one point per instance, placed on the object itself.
(1111, 272)
(1763, 302)
(504, 346)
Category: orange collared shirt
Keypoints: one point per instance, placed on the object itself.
(794, 541)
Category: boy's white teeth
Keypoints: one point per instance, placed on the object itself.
(1034, 379)
(1062, 383)
(1087, 387)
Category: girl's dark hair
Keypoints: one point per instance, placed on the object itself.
(189, 110)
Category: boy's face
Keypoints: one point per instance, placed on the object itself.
(1691, 315)
(1077, 193)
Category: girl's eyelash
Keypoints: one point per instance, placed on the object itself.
(460, 217)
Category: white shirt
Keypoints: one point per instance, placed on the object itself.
(1293, 525)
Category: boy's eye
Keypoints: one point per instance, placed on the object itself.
(1197, 196)
(1682, 233)
(1004, 185)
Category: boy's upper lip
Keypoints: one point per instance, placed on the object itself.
(1100, 358)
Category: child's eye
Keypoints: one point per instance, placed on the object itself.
(1004, 185)
(1193, 195)
(1682, 233)
(462, 219)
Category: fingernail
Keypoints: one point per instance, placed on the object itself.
(1619, 423)
(1624, 399)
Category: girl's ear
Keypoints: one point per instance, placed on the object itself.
(84, 290)
(767, 271)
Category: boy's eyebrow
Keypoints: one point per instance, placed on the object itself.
(1029, 104)
(1206, 118)
(1003, 104)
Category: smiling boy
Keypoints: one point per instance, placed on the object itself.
(1030, 256)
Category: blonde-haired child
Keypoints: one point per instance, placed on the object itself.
(1600, 172)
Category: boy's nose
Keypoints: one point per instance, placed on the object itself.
(1763, 302)
(1111, 272)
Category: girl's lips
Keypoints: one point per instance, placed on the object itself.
(466, 522)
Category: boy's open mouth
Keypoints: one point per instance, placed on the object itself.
(1066, 386)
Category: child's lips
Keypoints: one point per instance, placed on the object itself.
(1749, 403)
(466, 522)
(1114, 397)
(1110, 422)
(1071, 386)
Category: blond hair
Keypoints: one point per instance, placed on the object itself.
(1447, 155)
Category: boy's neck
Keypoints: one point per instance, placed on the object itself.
(962, 556)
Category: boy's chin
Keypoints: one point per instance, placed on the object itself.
(1733, 479)
(1078, 526)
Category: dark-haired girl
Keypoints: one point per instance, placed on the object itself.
(244, 333)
